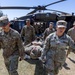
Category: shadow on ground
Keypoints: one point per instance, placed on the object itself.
(71, 60)
(39, 69)
(66, 66)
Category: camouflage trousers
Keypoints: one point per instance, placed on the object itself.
(52, 67)
(55, 61)
(11, 64)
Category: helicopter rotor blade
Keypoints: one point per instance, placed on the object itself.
(16, 7)
(54, 3)
(57, 11)
(32, 11)
(38, 8)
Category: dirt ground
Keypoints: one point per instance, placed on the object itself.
(32, 67)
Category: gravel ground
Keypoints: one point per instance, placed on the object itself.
(31, 67)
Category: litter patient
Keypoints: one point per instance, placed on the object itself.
(33, 50)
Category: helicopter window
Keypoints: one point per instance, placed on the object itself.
(17, 25)
(21, 24)
(45, 17)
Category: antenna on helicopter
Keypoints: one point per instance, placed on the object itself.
(1, 13)
(72, 13)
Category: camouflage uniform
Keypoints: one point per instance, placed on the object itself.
(36, 26)
(71, 32)
(12, 48)
(34, 50)
(54, 49)
(28, 33)
(55, 52)
(48, 31)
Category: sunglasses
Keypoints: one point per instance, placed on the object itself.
(4, 22)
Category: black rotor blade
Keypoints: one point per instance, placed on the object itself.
(32, 11)
(54, 3)
(57, 11)
(16, 7)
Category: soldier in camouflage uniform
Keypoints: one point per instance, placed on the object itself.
(48, 30)
(12, 46)
(55, 49)
(71, 32)
(28, 33)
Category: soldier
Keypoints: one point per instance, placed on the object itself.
(55, 47)
(36, 26)
(11, 43)
(28, 33)
(71, 32)
(48, 30)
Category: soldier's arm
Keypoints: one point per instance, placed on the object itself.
(68, 52)
(33, 30)
(46, 46)
(44, 34)
(69, 32)
(71, 46)
(23, 33)
(20, 46)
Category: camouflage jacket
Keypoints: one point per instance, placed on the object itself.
(71, 32)
(57, 44)
(47, 32)
(11, 43)
(28, 33)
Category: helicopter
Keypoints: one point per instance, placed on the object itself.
(42, 18)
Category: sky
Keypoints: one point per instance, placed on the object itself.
(66, 6)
